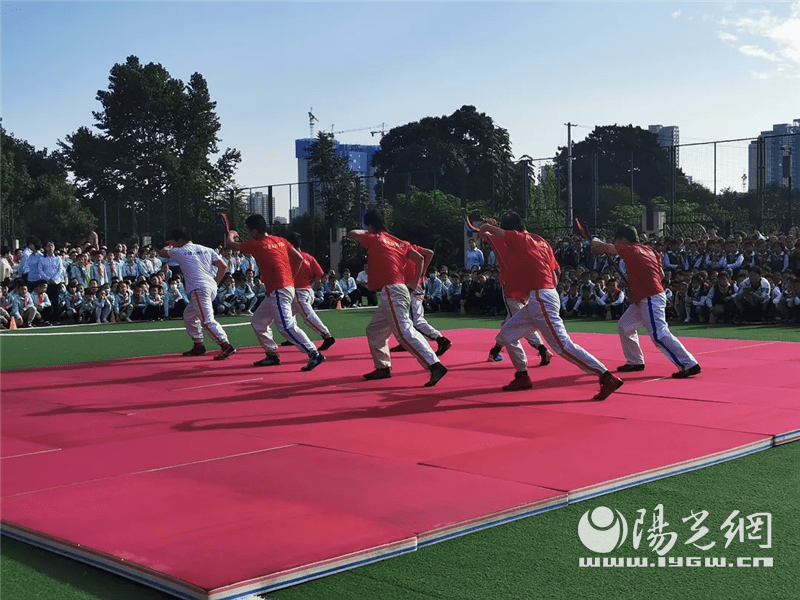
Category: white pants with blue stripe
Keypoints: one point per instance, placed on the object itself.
(277, 308)
(649, 313)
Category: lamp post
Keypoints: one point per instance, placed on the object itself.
(525, 162)
(787, 173)
(632, 170)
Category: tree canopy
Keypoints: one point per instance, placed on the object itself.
(151, 164)
(463, 154)
(36, 197)
(338, 193)
(627, 156)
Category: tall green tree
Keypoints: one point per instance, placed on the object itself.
(151, 164)
(431, 219)
(35, 196)
(545, 212)
(626, 156)
(337, 193)
(464, 154)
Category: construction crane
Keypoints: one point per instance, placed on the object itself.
(311, 119)
(371, 129)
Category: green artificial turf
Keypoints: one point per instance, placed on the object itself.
(531, 558)
(40, 348)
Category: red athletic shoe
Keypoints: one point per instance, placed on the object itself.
(608, 385)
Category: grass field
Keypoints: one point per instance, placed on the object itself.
(532, 558)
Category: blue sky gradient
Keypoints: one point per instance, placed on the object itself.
(717, 70)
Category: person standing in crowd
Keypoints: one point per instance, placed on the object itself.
(52, 272)
(278, 263)
(196, 263)
(6, 265)
(387, 256)
(474, 256)
(533, 268)
(647, 305)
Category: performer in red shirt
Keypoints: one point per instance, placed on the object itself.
(514, 299)
(387, 256)
(647, 304)
(310, 272)
(532, 268)
(417, 307)
(278, 263)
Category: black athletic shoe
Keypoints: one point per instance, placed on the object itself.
(286, 343)
(521, 381)
(270, 360)
(438, 370)
(494, 354)
(197, 350)
(227, 350)
(384, 373)
(442, 345)
(695, 370)
(546, 356)
(398, 348)
(327, 343)
(628, 368)
(314, 361)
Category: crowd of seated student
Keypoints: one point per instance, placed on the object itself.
(742, 278)
(709, 279)
(44, 284)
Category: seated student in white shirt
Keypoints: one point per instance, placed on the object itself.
(349, 288)
(124, 302)
(244, 298)
(223, 304)
(175, 300)
(319, 295)
(261, 291)
(20, 305)
(334, 294)
(42, 303)
(67, 302)
(87, 307)
(363, 288)
(101, 310)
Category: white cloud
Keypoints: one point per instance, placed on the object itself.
(766, 35)
(757, 52)
(676, 14)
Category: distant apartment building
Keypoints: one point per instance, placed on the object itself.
(359, 159)
(782, 140)
(258, 203)
(668, 136)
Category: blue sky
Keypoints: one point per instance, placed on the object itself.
(717, 70)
